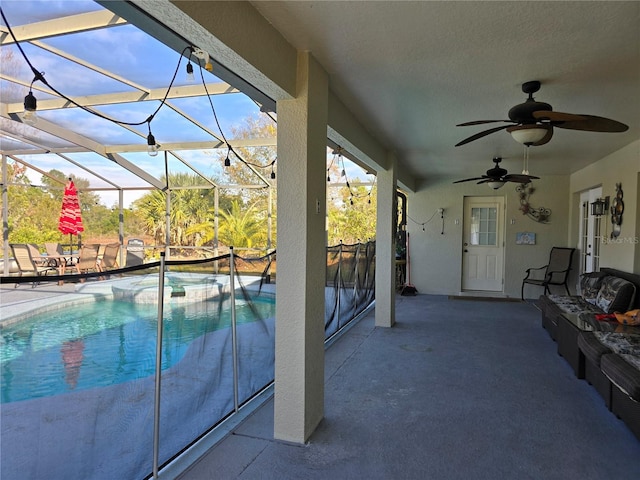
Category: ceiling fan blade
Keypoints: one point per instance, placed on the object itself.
(556, 116)
(591, 123)
(518, 178)
(481, 134)
(480, 122)
(546, 138)
(469, 179)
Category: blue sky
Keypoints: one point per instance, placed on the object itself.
(136, 57)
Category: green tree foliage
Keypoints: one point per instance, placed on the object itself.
(34, 210)
(242, 228)
(351, 214)
(191, 210)
(242, 203)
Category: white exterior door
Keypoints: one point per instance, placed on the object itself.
(590, 234)
(483, 244)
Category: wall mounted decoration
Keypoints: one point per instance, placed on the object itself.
(525, 238)
(617, 208)
(539, 214)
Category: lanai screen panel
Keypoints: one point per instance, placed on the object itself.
(93, 56)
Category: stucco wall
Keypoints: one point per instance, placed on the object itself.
(623, 167)
(436, 258)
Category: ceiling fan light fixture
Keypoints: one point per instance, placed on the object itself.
(528, 134)
(496, 184)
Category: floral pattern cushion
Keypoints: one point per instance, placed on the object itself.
(615, 295)
(620, 343)
(590, 285)
(573, 304)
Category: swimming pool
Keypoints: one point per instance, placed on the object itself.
(106, 342)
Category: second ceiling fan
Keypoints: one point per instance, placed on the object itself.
(532, 122)
(497, 176)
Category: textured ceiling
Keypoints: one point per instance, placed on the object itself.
(411, 71)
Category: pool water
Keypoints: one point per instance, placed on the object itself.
(106, 342)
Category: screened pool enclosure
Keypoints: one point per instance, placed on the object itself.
(95, 386)
(120, 375)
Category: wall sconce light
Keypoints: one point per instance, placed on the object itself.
(600, 207)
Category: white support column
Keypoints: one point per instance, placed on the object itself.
(299, 362)
(386, 246)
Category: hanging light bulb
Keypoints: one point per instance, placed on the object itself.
(343, 173)
(190, 76)
(30, 106)
(152, 147)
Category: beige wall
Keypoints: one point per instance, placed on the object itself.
(623, 167)
(436, 258)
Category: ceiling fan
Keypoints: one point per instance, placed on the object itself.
(497, 176)
(532, 122)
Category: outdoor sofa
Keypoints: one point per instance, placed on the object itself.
(600, 349)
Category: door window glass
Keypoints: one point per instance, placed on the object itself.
(484, 226)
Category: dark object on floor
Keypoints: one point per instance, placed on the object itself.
(408, 289)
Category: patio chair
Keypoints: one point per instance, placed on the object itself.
(26, 263)
(88, 259)
(110, 256)
(56, 254)
(37, 256)
(556, 272)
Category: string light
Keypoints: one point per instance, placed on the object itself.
(333, 160)
(30, 106)
(190, 77)
(338, 160)
(422, 224)
(152, 147)
(30, 101)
